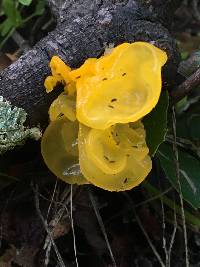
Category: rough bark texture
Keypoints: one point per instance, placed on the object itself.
(84, 29)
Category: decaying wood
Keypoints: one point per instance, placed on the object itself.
(84, 29)
(186, 87)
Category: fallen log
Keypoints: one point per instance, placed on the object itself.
(84, 29)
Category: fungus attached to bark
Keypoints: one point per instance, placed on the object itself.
(104, 100)
(131, 74)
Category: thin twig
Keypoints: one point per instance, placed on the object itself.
(100, 221)
(37, 205)
(190, 218)
(164, 238)
(58, 214)
(143, 230)
(184, 143)
(186, 87)
(48, 244)
(157, 170)
(57, 217)
(20, 41)
(49, 200)
(179, 186)
(173, 235)
(72, 224)
(168, 250)
(165, 247)
(52, 198)
(142, 203)
(65, 200)
(6, 38)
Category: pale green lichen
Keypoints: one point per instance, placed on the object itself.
(12, 129)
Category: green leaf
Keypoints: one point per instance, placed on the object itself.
(190, 217)
(5, 27)
(25, 2)
(194, 126)
(155, 124)
(39, 9)
(188, 123)
(11, 12)
(189, 173)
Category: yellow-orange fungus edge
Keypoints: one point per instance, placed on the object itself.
(121, 87)
(115, 159)
(60, 150)
(96, 126)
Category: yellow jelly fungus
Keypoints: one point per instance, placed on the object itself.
(110, 158)
(124, 86)
(86, 70)
(96, 135)
(60, 69)
(63, 105)
(61, 74)
(114, 147)
(51, 82)
(60, 150)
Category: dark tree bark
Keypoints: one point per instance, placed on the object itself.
(84, 29)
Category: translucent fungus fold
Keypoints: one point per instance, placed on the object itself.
(60, 75)
(60, 150)
(124, 86)
(131, 163)
(63, 105)
(96, 135)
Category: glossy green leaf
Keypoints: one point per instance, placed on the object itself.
(189, 169)
(155, 124)
(25, 2)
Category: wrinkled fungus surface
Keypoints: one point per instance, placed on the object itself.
(96, 134)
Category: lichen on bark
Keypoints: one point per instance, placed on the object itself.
(12, 129)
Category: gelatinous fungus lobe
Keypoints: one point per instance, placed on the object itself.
(96, 135)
